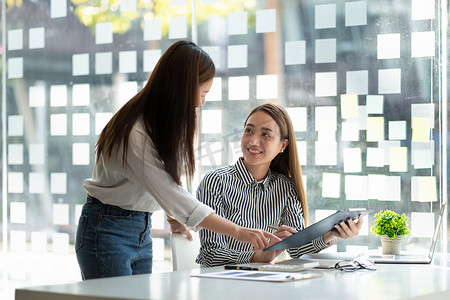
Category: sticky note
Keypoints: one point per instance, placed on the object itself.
(375, 129)
(326, 118)
(237, 56)
(389, 81)
(36, 96)
(357, 82)
(374, 104)
(80, 154)
(237, 23)
(58, 124)
(81, 94)
(58, 183)
(152, 29)
(299, 118)
(350, 131)
(81, 124)
(103, 33)
(266, 20)
(422, 224)
(215, 92)
(178, 28)
(398, 159)
(295, 53)
(422, 9)
(397, 130)
(356, 187)
(266, 86)
(421, 129)
(80, 64)
(15, 154)
(325, 51)
(58, 8)
(375, 157)
(36, 183)
(423, 189)
(37, 38)
(331, 185)
(37, 154)
(238, 88)
(326, 84)
(349, 106)
(388, 46)
(325, 16)
(127, 61)
(423, 44)
(150, 59)
(356, 13)
(212, 121)
(325, 153)
(352, 160)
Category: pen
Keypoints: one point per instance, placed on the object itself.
(246, 268)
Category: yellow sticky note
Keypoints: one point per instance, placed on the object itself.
(349, 106)
(398, 159)
(427, 189)
(375, 129)
(421, 129)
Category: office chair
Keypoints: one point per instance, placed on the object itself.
(184, 252)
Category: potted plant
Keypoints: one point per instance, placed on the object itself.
(392, 227)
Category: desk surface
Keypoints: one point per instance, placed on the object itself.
(417, 282)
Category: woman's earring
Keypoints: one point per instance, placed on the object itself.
(281, 151)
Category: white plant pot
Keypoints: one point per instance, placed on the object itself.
(391, 246)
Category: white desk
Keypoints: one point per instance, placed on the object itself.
(417, 282)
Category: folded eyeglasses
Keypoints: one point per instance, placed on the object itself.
(356, 264)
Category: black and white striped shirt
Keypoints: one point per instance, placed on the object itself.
(235, 195)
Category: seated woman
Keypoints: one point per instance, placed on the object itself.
(264, 189)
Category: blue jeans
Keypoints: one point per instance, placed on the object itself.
(112, 241)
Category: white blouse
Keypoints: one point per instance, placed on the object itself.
(143, 184)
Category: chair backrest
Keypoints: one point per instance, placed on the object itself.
(184, 252)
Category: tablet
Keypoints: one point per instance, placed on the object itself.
(308, 234)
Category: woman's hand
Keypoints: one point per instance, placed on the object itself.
(344, 230)
(177, 227)
(258, 238)
(267, 256)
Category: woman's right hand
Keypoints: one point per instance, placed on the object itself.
(258, 238)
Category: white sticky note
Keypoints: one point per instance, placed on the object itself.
(388, 46)
(36, 38)
(422, 155)
(58, 8)
(127, 90)
(422, 9)
(103, 33)
(325, 153)
(36, 96)
(81, 124)
(178, 28)
(80, 154)
(374, 104)
(326, 84)
(58, 95)
(58, 183)
(357, 82)
(326, 136)
(299, 118)
(81, 94)
(211, 154)
(237, 23)
(15, 67)
(212, 121)
(152, 29)
(58, 124)
(302, 151)
(128, 5)
(127, 61)
(421, 130)
(37, 154)
(386, 145)
(326, 118)
(423, 189)
(266, 86)
(214, 54)
(15, 39)
(375, 181)
(103, 63)
(389, 81)
(266, 20)
(356, 13)
(397, 130)
(37, 183)
(38, 242)
(375, 157)
(15, 125)
(15, 182)
(215, 92)
(15, 154)
(80, 64)
(325, 51)
(375, 129)
(352, 160)
(325, 16)
(151, 57)
(18, 212)
(398, 157)
(423, 44)
(60, 243)
(331, 185)
(349, 106)
(422, 224)
(238, 88)
(356, 187)
(101, 119)
(391, 191)
(295, 53)
(237, 56)
(17, 240)
(424, 110)
(350, 131)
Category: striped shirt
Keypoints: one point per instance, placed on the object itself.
(235, 195)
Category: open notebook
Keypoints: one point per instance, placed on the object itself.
(405, 258)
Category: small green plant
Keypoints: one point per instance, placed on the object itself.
(390, 223)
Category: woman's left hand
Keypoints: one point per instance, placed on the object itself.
(177, 227)
(347, 230)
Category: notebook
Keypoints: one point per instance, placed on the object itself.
(413, 258)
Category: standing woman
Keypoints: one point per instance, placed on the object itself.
(140, 157)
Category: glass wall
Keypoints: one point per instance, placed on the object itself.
(363, 81)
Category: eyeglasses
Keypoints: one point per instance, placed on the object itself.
(356, 264)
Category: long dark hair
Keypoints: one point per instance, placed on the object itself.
(287, 162)
(167, 105)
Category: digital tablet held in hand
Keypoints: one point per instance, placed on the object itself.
(308, 234)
